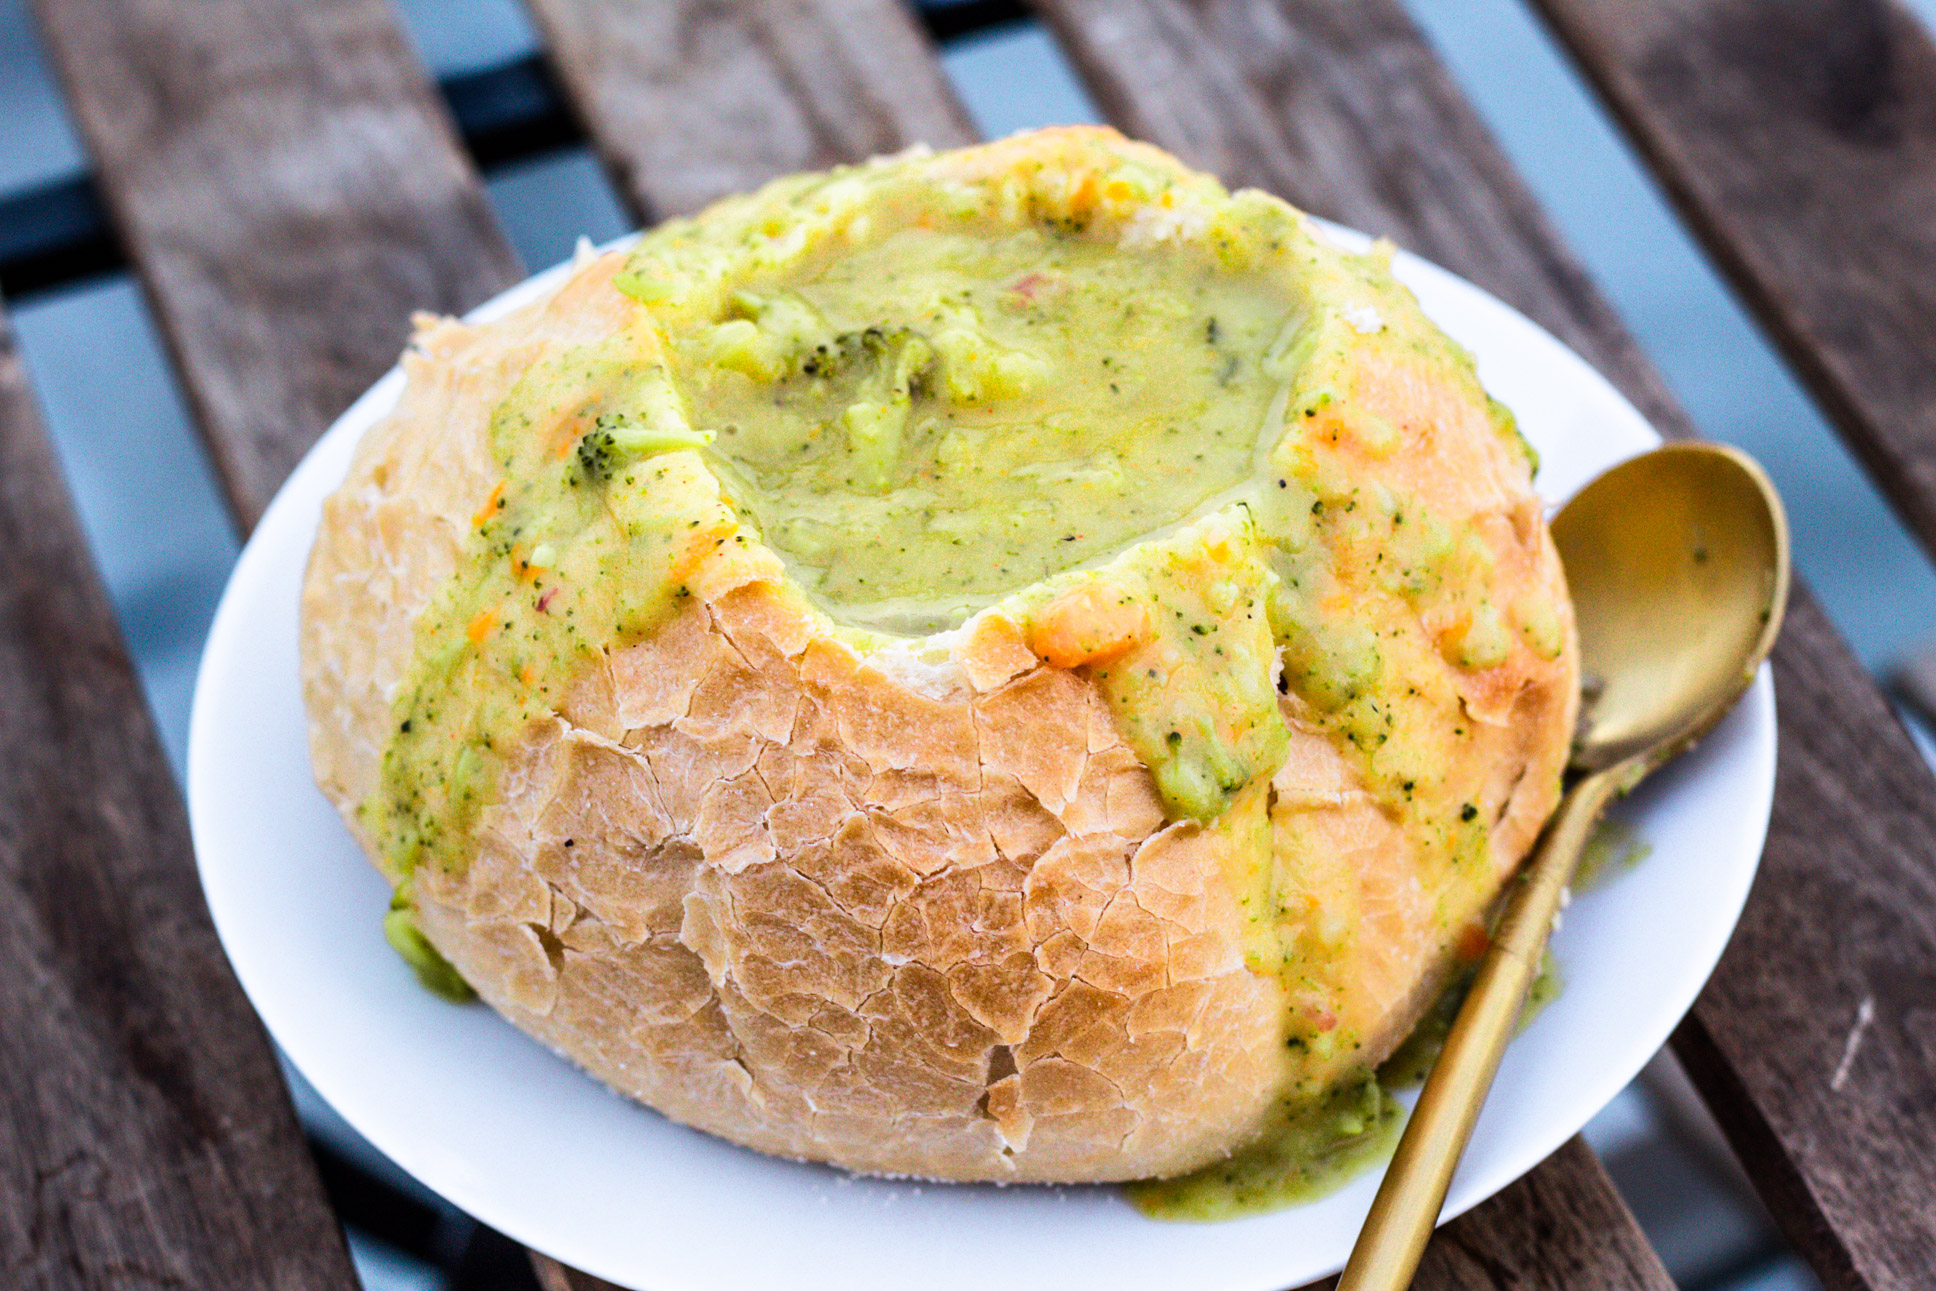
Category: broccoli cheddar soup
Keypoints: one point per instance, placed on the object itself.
(1016, 663)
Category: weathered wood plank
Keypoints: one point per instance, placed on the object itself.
(144, 1137)
(1915, 680)
(553, 1276)
(1344, 109)
(1798, 138)
(1561, 1226)
(693, 99)
(290, 190)
(1814, 1043)
(284, 179)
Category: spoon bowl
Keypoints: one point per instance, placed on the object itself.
(1677, 562)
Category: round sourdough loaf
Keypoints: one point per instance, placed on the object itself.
(987, 665)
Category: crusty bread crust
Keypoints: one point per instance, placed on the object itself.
(836, 918)
(915, 911)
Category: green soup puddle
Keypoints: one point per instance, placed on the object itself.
(1310, 1148)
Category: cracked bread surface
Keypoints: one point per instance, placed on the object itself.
(913, 908)
(944, 936)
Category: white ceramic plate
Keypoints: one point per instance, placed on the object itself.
(525, 1142)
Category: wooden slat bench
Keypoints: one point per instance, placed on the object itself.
(688, 100)
(287, 186)
(1796, 140)
(145, 1137)
(289, 189)
(1798, 137)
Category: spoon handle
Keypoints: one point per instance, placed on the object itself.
(1407, 1206)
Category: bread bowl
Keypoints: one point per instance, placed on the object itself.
(1137, 788)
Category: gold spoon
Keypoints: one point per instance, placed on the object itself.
(1678, 566)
